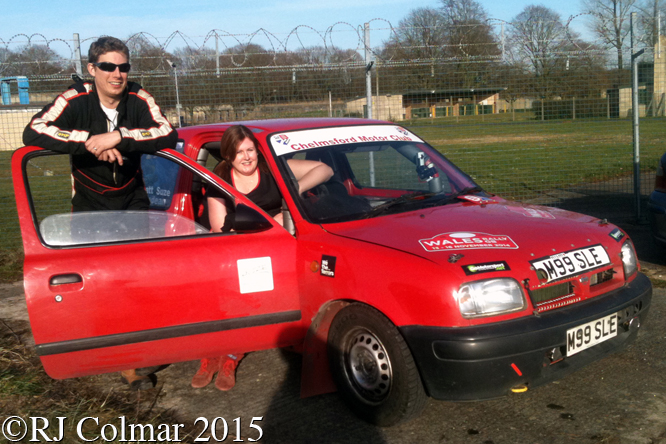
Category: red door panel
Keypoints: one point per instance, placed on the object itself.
(100, 308)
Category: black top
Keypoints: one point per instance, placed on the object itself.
(265, 195)
(74, 116)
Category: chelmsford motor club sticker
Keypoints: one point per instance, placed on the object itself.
(467, 241)
(289, 142)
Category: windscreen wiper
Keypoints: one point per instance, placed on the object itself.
(451, 197)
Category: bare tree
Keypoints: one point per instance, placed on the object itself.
(468, 33)
(610, 21)
(463, 11)
(32, 60)
(649, 14)
(539, 41)
(421, 36)
(145, 55)
(199, 59)
(4, 56)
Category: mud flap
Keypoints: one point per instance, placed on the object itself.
(315, 373)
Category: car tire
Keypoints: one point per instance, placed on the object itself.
(373, 367)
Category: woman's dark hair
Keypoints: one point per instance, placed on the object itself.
(106, 44)
(231, 139)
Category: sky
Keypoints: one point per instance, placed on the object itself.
(290, 23)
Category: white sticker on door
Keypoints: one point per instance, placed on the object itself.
(255, 274)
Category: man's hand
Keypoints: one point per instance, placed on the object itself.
(100, 143)
(111, 155)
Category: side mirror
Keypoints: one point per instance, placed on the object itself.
(249, 220)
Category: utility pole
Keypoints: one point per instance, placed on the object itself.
(77, 54)
(635, 114)
(368, 94)
(175, 71)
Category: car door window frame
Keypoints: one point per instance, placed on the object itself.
(235, 198)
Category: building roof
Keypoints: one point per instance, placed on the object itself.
(460, 92)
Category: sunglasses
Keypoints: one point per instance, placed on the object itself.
(111, 67)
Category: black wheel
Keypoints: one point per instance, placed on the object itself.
(373, 367)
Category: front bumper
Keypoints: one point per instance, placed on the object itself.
(486, 361)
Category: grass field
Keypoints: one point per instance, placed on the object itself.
(519, 159)
(25, 390)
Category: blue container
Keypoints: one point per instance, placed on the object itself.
(23, 86)
(23, 90)
(6, 94)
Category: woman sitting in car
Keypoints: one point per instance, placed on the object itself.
(245, 168)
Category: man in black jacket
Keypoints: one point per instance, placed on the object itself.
(105, 126)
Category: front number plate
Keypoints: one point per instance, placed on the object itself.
(559, 266)
(588, 335)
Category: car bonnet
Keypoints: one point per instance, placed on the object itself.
(483, 233)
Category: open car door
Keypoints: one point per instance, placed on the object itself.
(108, 291)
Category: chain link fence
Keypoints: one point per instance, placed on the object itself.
(552, 127)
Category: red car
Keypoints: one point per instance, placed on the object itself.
(399, 278)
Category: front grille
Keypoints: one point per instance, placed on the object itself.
(600, 278)
(554, 296)
(544, 294)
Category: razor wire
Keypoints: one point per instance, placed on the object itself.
(314, 47)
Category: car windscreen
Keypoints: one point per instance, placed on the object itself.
(378, 169)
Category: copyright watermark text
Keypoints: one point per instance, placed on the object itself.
(91, 429)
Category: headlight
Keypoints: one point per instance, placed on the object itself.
(490, 297)
(629, 262)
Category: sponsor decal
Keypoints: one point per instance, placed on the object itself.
(531, 212)
(486, 267)
(289, 142)
(255, 275)
(146, 133)
(477, 199)
(402, 131)
(616, 234)
(63, 135)
(282, 139)
(467, 241)
(328, 265)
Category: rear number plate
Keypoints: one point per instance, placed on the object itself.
(588, 335)
(571, 263)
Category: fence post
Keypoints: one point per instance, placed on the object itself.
(368, 93)
(330, 105)
(635, 114)
(77, 54)
(178, 107)
(574, 108)
(368, 70)
(217, 56)
(502, 40)
(543, 115)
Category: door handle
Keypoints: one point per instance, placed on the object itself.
(62, 279)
